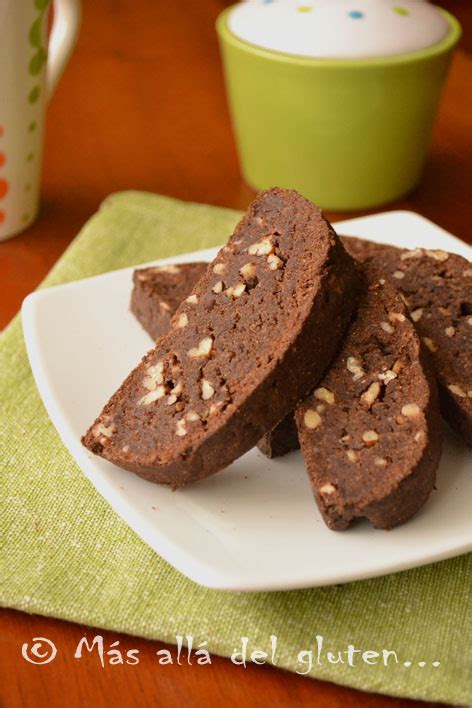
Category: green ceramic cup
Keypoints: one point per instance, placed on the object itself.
(347, 134)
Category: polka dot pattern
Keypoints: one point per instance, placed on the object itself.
(356, 14)
(339, 29)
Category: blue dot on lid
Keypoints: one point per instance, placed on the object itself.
(356, 14)
(267, 2)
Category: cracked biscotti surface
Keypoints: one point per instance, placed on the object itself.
(246, 345)
(437, 289)
(158, 291)
(370, 433)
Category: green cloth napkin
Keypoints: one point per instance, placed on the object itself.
(68, 555)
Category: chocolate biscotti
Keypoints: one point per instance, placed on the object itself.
(158, 291)
(437, 289)
(247, 344)
(370, 433)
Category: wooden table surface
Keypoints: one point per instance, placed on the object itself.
(141, 105)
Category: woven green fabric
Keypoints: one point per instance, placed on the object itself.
(67, 554)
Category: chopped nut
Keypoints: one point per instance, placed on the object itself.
(176, 391)
(430, 344)
(203, 350)
(370, 437)
(345, 438)
(398, 366)
(467, 273)
(387, 376)
(163, 306)
(261, 248)
(182, 320)
(437, 254)
(324, 394)
(100, 429)
(152, 396)
(396, 317)
(236, 291)
(371, 394)
(416, 253)
(248, 270)
(214, 408)
(419, 435)
(469, 321)
(192, 299)
(381, 281)
(450, 331)
(154, 376)
(219, 268)
(320, 407)
(353, 365)
(207, 390)
(399, 274)
(387, 327)
(327, 488)
(352, 455)
(410, 410)
(380, 461)
(180, 428)
(469, 394)
(192, 416)
(457, 390)
(404, 299)
(312, 419)
(218, 287)
(417, 314)
(274, 262)
(125, 449)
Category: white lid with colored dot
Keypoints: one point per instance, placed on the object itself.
(339, 29)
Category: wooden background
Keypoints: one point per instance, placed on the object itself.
(141, 105)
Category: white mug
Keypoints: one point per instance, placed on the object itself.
(27, 79)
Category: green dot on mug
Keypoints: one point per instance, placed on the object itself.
(35, 33)
(25, 217)
(28, 187)
(400, 10)
(32, 126)
(29, 157)
(41, 4)
(304, 8)
(34, 94)
(36, 63)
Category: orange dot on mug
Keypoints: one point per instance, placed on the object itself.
(3, 159)
(2, 216)
(3, 188)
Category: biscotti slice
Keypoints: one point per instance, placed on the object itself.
(370, 433)
(437, 289)
(158, 291)
(246, 345)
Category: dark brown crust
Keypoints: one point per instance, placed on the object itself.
(268, 347)
(280, 440)
(371, 432)
(437, 287)
(158, 292)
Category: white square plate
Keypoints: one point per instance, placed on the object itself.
(255, 525)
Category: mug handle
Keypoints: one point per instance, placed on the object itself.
(62, 40)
